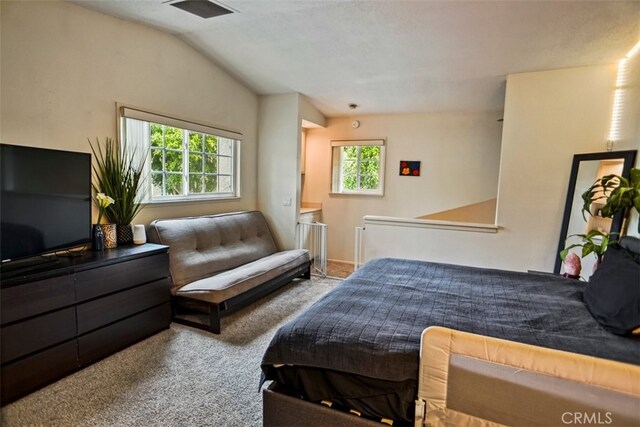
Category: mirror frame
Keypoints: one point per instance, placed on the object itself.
(627, 156)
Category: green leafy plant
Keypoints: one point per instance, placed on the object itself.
(117, 173)
(594, 242)
(618, 193)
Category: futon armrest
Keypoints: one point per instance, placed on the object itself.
(469, 379)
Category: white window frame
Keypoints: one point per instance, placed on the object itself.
(140, 132)
(337, 159)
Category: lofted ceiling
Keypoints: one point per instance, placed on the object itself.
(394, 56)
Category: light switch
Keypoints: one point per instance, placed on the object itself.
(286, 202)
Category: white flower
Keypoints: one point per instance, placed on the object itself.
(104, 200)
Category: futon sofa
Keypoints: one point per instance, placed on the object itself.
(221, 263)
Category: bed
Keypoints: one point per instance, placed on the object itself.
(411, 342)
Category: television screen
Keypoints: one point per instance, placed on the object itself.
(45, 200)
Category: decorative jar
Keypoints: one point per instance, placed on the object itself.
(110, 236)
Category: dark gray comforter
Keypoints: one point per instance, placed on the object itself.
(371, 324)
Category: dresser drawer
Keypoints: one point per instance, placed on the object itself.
(104, 280)
(31, 373)
(38, 333)
(97, 313)
(22, 301)
(103, 342)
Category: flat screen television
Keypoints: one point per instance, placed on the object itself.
(45, 201)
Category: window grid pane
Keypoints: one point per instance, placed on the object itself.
(360, 168)
(184, 162)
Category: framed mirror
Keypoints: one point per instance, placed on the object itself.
(586, 168)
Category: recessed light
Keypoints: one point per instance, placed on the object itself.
(202, 8)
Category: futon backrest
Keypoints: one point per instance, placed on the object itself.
(204, 246)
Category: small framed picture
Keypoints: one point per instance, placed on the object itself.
(409, 168)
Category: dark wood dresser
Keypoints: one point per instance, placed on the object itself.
(57, 319)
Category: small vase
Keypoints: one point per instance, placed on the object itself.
(139, 235)
(97, 238)
(110, 240)
(125, 234)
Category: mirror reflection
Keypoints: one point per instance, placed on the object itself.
(589, 171)
(586, 169)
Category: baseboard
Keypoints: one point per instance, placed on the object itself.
(341, 261)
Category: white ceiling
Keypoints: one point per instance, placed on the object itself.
(394, 56)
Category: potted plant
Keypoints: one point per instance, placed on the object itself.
(118, 173)
(594, 242)
(104, 235)
(618, 193)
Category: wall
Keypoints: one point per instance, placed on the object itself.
(64, 68)
(483, 213)
(459, 152)
(629, 131)
(279, 181)
(549, 117)
(279, 165)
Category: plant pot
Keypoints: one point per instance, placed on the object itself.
(110, 239)
(125, 234)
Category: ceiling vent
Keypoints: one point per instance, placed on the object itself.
(202, 8)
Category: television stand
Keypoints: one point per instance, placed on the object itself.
(21, 266)
(61, 317)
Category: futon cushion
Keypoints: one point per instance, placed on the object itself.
(228, 284)
(613, 292)
(204, 246)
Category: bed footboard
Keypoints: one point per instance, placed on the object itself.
(469, 379)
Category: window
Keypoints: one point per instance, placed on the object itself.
(184, 160)
(358, 167)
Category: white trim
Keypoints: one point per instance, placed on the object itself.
(167, 200)
(430, 223)
(336, 170)
(371, 193)
(355, 142)
(163, 119)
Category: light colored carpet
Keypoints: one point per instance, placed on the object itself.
(179, 377)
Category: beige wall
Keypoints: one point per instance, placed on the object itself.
(549, 117)
(459, 153)
(279, 179)
(64, 68)
(310, 113)
(279, 164)
(630, 129)
(480, 213)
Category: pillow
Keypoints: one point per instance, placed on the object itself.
(631, 244)
(613, 292)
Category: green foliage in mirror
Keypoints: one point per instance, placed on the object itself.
(594, 242)
(618, 193)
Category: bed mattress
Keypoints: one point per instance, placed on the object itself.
(359, 345)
